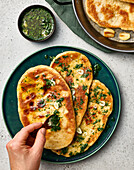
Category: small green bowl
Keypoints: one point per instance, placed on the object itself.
(20, 22)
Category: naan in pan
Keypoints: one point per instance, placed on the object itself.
(111, 13)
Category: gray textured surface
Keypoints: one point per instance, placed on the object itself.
(118, 153)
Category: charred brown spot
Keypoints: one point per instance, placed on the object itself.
(32, 95)
(26, 111)
(108, 11)
(27, 97)
(131, 8)
(25, 87)
(44, 87)
(41, 116)
(31, 103)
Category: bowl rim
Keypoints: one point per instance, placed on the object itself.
(21, 15)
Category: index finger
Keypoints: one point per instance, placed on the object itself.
(23, 134)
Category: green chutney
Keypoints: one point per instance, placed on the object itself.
(37, 24)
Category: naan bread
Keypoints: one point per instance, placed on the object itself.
(42, 92)
(77, 71)
(94, 121)
(111, 13)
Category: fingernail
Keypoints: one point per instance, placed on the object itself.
(43, 131)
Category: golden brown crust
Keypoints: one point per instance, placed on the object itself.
(41, 91)
(94, 120)
(131, 1)
(111, 13)
(77, 71)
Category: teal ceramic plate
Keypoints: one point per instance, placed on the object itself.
(9, 104)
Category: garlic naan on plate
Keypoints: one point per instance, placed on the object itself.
(94, 121)
(111, 13)
(76, 69)
(42, 92)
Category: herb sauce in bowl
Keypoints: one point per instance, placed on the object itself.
(36, 23)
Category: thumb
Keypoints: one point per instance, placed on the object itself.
(40, 141)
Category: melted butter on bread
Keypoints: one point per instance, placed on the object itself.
(42, 92)
(76, 69)
(94, 120)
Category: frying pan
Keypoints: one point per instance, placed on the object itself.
(127, 47)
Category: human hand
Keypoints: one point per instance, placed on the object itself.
(24, 151)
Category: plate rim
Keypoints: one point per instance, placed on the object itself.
(114, 49)
(113, 76)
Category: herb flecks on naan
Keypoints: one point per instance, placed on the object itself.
(77, 71)
(111, 13)
(94, 121)
(43, 92)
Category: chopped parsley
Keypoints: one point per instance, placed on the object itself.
(42, 87)
(60, 65)
(71, 84)
(84, 87)
(106, 104)
(96, 69)
(81, 101)
(55, 121)
(53, 96)
(103, 95)
(56, 61)
(65, 56)
(48, 83)
(96, 93)
(64, 150)
(75, 110)
(85, 75)
(93, 113)
(88, 70)
(86, 94)
(77, 66)
(51, 57)
(97, 102)
(97, 120)
(46, 56)
(105, 111)
(109, 92)
(56, 112)
(100, 129)
(60, 100)
(96, 89)
(71, 153)
(47, 115)
(69, 72)
(83, 147)
(78, 138)
(65, 68)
